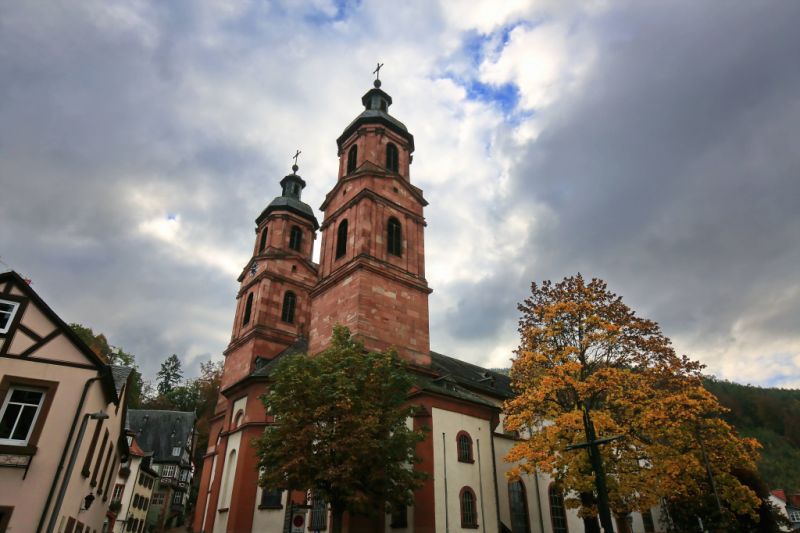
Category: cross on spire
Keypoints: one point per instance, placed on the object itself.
(377, 71)
(295, 156)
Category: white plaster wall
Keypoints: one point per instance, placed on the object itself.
(539, 523)
(127, 492)
(268, 519)
(228, 471)
(462, 474)
(28, 496)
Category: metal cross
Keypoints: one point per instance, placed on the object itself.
(296, 156)
(377, 71)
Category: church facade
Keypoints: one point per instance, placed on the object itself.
(371, 278)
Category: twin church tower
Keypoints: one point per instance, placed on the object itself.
(370, 278)
(371, 274)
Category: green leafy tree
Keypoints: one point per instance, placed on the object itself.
(114, 356)
(169, 376)
(340, 429)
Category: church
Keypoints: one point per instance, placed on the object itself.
(371, 278)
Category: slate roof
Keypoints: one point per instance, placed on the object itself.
(265, 367)
(294, 205)
(160, 431)
(455, 378)
(120, 375)
(472, 376)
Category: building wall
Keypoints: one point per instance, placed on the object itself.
(479, 476)
(228, 471)
(268, 519)
(132, 488)
(29, 503)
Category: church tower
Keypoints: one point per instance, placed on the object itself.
(273, 302)
(372, 259)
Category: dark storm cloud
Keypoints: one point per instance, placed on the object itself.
(88, 120)
(674, 172)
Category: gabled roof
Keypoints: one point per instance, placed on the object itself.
(94, 358)
(161, 431)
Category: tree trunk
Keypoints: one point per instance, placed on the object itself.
(336, 518)
(590, 523)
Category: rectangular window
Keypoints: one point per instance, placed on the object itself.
(18, 414)
(177, 498)
(119, 488)
(176, 451)
(319, 514)
(400, 517)
(7, 311)
(271, 499)
(168, 471)
(794, 516)
(158, 498)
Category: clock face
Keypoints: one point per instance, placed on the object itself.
(253, 269)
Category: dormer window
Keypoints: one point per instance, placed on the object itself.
(391, 157)
(394, 237)
(295, 238)
(7, 311)
(341, 239)
(352, 159)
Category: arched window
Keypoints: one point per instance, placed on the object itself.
(557, 513)
(248, 307)
(295, 238)
(352, 159)
(464, 447)
(520, 522)
(469, 507)
(289, 303)
(394, 237)
(391, 157)
(237, 420)
(341, 239)
(263, 244)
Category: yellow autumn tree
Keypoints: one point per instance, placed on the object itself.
(586, 367)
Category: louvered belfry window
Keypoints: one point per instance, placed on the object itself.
(295, 238)
(352, 159)
(394, 237)
(289, 303)
(391, 157)
(341, 239)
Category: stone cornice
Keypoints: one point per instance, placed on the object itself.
(413, 191)
(264, 332)
(372, 264)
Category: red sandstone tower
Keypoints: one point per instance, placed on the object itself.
(273, 299)
(371, 278)
(372, 263)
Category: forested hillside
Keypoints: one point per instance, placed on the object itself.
(773, 417)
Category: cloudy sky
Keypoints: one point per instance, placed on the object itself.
(652, 144)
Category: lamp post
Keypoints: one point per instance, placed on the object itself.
(99, 415)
